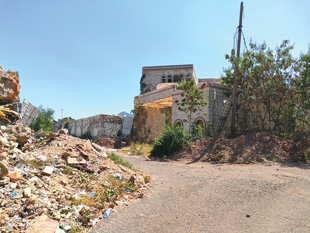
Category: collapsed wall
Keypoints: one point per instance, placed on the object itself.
(9, 86)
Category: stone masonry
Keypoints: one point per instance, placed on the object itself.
(160, 97)
(97, 126)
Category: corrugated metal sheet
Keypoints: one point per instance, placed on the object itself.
(28, 113)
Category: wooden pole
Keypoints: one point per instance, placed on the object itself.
(235, 90)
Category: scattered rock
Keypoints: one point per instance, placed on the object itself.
(15, 176)
(4, 169)
(27, 192)
(48, 170)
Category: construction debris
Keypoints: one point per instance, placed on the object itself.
(58, 182)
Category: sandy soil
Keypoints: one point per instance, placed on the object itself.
(203, 197)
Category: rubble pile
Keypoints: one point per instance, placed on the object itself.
(106, 142)
(59, 183)
(9, 88)
(258, 147)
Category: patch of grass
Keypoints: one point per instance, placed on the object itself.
(140, 149)
(147, 179)
(64, 211)
(86, 215)
(85, 177)
(85, 200)
(76, 229)
(36, 163)
(67, 170)
(118, 160)
(109, 193)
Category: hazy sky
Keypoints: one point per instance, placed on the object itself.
(86, 56)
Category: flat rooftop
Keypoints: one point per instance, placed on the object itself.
(169, 67)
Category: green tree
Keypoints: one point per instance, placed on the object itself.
(44, 120)
(273, 85)
(192, 99)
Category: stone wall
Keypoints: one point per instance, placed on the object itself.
(215, 94)
(154, 75)
(97, 126)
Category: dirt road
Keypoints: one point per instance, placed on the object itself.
(202, 197)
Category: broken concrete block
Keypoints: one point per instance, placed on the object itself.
(4, 169)
(97, 147)
(51, 136)
(27, 192)
(40, 133)
(63, 131)
(15, 177)
(87, 145)
(48, 170)
(73, 161)
(84, 154)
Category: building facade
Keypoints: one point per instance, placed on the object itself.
(159, 96)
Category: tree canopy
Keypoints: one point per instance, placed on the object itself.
(44, 120)
(274, 87)
(192, 99)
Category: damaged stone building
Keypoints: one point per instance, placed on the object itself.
(158, 96)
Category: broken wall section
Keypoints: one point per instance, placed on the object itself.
(97, 126)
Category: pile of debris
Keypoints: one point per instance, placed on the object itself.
(59, 183)
(113, 143)
(258, 147)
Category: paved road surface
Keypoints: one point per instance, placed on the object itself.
(202, 197)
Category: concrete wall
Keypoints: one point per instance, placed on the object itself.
(127, 125)
(97, 126)
(154, 75)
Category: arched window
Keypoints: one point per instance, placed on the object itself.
(163, 79)
(201, 123)
(169, 79)
(176, 78)
(188, 77)
(178, 123)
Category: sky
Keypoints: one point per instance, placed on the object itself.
(86, 57)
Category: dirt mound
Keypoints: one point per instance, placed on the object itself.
(256, 147)
(106, 142)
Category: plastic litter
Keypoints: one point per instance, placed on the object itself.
(107, 212)
(94, 221)
(13, 193)
(92, 194)
(119, 176)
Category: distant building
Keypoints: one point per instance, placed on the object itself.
(159, 95)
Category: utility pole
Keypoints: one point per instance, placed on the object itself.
(62, 111)
(236, 80)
